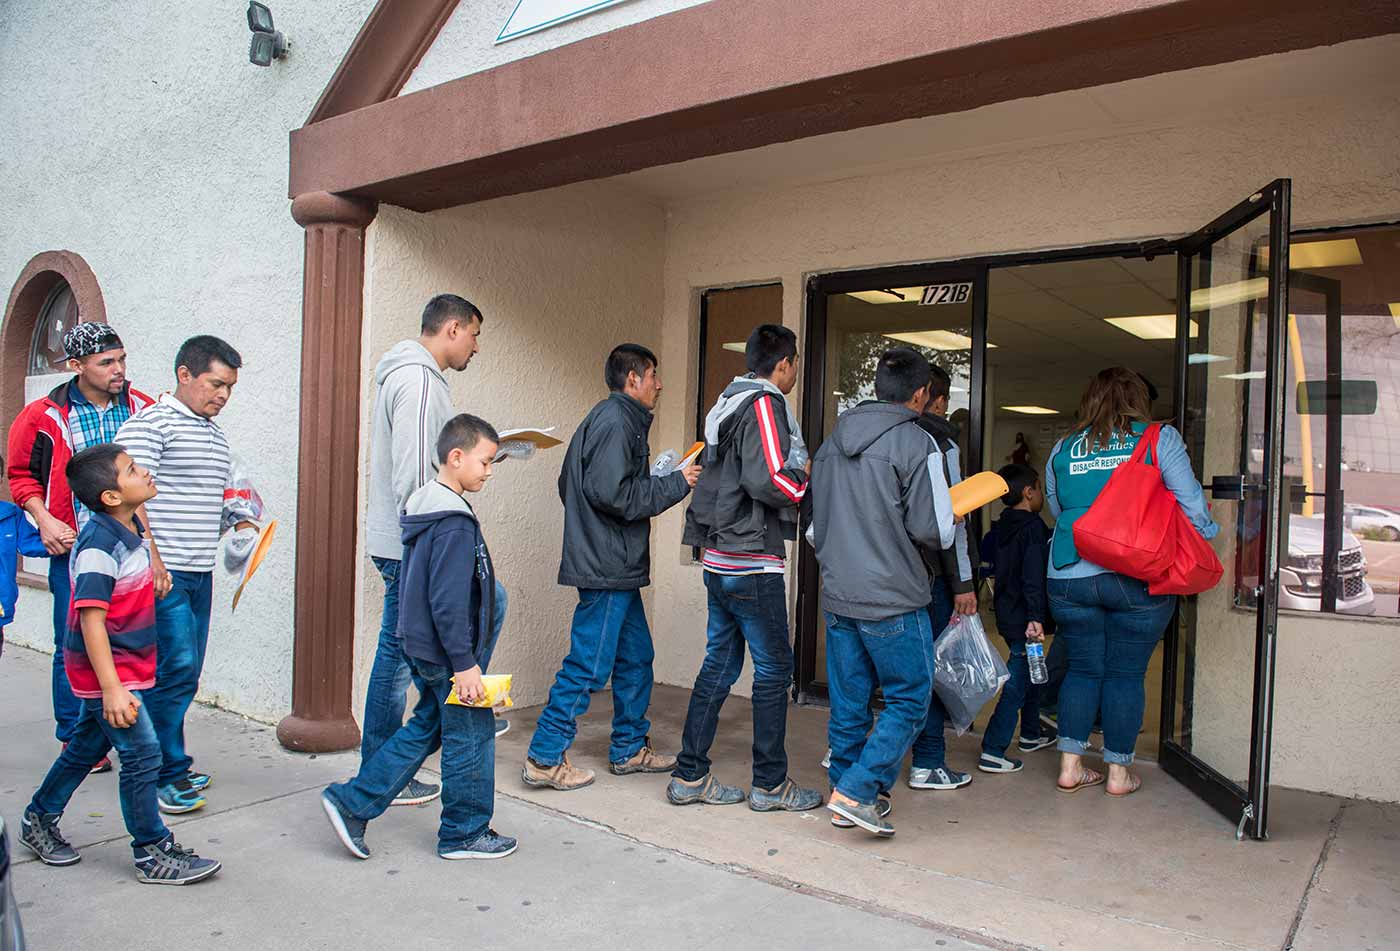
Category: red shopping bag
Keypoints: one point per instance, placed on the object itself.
(1194, 569)
(1132, 526)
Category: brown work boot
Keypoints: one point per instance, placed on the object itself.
(563, 776)
(646, 760)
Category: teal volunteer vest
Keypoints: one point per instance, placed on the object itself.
(1081, 472)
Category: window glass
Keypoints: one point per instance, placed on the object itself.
(730, 316)
(60, 313)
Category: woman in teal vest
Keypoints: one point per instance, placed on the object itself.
(1110, 623)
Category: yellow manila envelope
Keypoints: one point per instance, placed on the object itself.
(497, 693)
(976, 491)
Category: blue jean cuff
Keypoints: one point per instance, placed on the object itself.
(1117, 759)
(1067, 745)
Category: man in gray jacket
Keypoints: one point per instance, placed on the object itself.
(878, 496)
(411, 407)
(610, 498)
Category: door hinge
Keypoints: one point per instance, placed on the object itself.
(1244, 817)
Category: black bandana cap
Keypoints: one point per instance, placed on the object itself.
(88, 338)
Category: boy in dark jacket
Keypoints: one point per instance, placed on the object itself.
(755, 472)
(448, 624)
(1023, 614)
(610, 498)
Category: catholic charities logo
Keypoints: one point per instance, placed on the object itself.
(531, 16)
(1082, 460)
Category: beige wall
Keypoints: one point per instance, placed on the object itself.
(561, 277)
(1135, 182)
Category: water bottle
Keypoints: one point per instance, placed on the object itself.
(1035, 659)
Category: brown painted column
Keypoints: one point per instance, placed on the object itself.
(328, 475)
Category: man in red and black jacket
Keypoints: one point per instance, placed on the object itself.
(82, 412)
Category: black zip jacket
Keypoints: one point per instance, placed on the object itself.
(745, 487)
(610, 498)
(1023, 551)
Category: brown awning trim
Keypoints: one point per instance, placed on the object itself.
(737, 74)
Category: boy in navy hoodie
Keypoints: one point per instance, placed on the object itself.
(1023, 613)
(447, 622)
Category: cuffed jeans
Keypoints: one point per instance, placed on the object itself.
(386, 695)
(67, 709)
(1111, 625)
(467, 736)
(895, 655)
(930, 748)
(139, 750)
(610, 638)
(743, 609)
(182, 638)
(1019, 698)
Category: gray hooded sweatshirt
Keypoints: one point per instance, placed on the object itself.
(878, 492)
(411, 407)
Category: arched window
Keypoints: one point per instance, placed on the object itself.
(58, 315)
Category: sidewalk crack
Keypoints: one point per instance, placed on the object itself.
(1332, 829)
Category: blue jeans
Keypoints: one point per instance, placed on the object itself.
(182, 637)
(66, 707)
(139, 751)
(386, 695)
(1019, 698)
(748, 609)
(610, 638)
(467, 736)
(896, 655)
(1111, 626)
(930, 749)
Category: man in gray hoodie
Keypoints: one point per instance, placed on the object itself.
(411, 407)
(879, 494)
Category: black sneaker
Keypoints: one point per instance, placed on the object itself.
(167, 863)
(489, 845)
(350, 830)
(416, 793)
(40, 835)
(502, 727)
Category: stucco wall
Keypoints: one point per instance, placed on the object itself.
(561, 277)
(141, 137)
(467, 43)
(1145, 180)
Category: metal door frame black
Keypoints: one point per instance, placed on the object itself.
(1248, 805)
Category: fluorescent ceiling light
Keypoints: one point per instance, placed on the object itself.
(738, 347)
(1395, 313)
(1150, 326)
(1311, 255)
(1197, 358)
(1032, 410)
(937, 339)
(1223, 295)
(890, 295)
(1251, 375)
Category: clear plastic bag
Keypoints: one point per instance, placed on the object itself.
(967, 672)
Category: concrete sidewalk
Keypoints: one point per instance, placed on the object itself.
(288, 883)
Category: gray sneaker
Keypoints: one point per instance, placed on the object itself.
(866, 816)
(40, 835)
(883, 807)
(489, 845)
(416, 793)
(168, 863)
(709, 791)
(787, 796)
(348, 829)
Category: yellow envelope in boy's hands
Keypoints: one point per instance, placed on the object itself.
(976, 491)
(497, 693)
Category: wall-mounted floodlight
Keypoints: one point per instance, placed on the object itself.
(268, 44)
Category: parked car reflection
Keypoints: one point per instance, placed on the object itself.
(1301, 578)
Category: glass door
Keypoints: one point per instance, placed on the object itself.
(1218, 675)
(852, 320)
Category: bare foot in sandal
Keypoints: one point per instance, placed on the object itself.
(1074, 776)
(1121, 782)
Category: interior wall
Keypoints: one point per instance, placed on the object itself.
(561, 277)
(1133, 184)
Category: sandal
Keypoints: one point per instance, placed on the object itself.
(1134, 787)
(1087, 778)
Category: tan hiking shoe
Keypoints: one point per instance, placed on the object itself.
(646, 760)
(563, 776)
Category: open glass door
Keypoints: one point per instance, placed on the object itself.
(1218, 677)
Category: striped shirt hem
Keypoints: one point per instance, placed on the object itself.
(741, 563)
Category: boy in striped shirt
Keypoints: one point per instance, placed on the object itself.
(110, 657)
(179, 442)
(742, 513)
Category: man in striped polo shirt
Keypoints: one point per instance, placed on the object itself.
(742, 513)
(178, 441)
